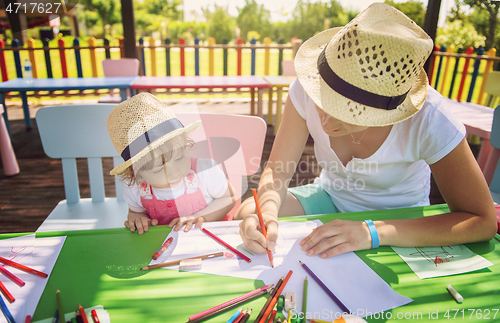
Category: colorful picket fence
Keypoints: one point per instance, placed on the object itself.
(181, 57)
(461, 76)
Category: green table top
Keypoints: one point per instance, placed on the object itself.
(101, 267)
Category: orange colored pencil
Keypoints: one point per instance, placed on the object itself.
(263, 227)
(83, 314)
(275, 298)
(23, 267)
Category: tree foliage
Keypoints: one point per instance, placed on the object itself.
(220, 25)
(412, 8)
(492, 7)
(254, 17)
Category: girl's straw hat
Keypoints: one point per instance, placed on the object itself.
(368, 72)
(140, 125)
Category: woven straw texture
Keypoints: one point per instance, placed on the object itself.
(130, 119)
(381, 51)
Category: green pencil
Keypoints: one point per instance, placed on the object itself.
(59, 306)
(304, 301)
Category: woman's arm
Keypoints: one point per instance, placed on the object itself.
(472, 216)
(285, 154)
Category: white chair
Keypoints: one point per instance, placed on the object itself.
(288, 68)
(79, 131)
(118, 67)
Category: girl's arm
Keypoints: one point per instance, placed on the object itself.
(285, 154)
(139, 220)
(213, 212)
(472, 216)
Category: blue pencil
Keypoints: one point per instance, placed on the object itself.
(329, 292)
(6, 312)
(235, 315)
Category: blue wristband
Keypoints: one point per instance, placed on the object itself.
(373, 233)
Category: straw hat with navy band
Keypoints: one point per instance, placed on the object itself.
(369, 72)
(141, 124)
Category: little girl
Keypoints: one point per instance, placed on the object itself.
(163, 184)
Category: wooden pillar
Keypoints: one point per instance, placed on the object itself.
(430, 23)
(128, 20)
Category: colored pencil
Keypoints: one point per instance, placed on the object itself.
(95, 318)
(273, 315)
(304, 300)
(230, 302)
(234, 316)
(323, 286)
(225, 244)
(28, 319)
(12, 277)
(6, 312)
(245, 318)
(59, 306)
(262, 225)
(162, 248)
(78, 317)
(23, 267)
(238, 319)
(227, 308)
(269, 299)
(275, 298)
(176, 262)
(83, 314)
(6, 293)
(55, 319)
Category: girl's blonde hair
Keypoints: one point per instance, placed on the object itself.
(151, 160)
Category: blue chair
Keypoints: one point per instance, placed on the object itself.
(495, 143)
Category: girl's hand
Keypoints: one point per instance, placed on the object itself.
(337, 237)
(188, 221)
(252, 236)
(141, 221)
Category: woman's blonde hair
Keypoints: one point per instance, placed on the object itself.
(151, 160)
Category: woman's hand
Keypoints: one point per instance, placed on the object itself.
(139, 221)
(252, 236)
(177, 223)
(337, 237)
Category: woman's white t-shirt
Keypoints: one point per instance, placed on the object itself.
(211, 181)
(397, 174)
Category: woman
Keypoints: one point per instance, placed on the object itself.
(379, 130)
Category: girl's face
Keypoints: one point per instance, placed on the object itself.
(334, 127)
(167, 173)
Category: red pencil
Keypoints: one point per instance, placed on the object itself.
(12, 276)
(275, 298)
(23, 267)
(262, 225)
(28, 319)
(8, 295)
(162, 248)
(225, 244)
(95, 317)
(83, 314)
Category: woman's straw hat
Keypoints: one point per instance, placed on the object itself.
(140, 125)
(368, 72)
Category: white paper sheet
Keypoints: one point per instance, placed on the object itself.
(441, 261)
(40, 254)
(347, 276)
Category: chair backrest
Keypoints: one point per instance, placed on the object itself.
(492, 89)
(79, 131)
(288, 68)
(120, 67)
(495, 143)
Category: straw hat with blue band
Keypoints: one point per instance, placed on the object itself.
(369, 72)
(141, 124)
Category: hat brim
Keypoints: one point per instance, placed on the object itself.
(157, 143)
(341, 107)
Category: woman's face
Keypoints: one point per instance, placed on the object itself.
(334, 127)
